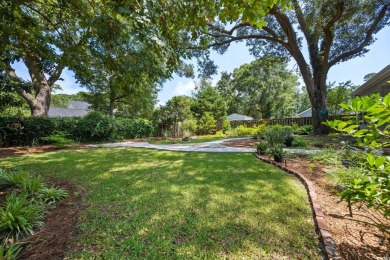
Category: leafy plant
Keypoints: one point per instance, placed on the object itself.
(373, 187)
(11, 179)
(19, 215)
(275, 135)
(297, 142)
(51, 195)
(261, 147)
(303, 130)
(31, 186)
(277, 152)
(10, 252)
(58, 139)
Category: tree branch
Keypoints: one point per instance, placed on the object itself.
(328, 39)
(366, 40)
(11, 73)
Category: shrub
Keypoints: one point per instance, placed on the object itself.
(226, 125)
(298, 142)
(373, 187)
(96, 127)
(261, 147)
(274, 135)
(19, 216)
(133, 128)
(207, 124)
(276, 151)
(242, 130)
(189, 126)
(58, 139)
(303, 130)
(51, 195)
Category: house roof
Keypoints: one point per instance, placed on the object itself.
(76, 104)
(306, 113)
(238, 117)
(66, 112)
(378, 80)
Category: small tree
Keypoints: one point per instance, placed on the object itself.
(207, 124)
(373, 187)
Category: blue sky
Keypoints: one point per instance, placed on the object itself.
(375, 60)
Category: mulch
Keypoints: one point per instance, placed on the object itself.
(354, 240)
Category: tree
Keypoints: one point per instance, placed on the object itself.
(50, 36)
(337, 95)
(226, 89)
(333, 31)
(265, 88)
(207, 99)
(369, 76)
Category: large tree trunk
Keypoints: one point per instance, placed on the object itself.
(41, 104)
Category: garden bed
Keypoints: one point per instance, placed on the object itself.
(354, 240)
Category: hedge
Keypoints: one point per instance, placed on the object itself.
(19, 131)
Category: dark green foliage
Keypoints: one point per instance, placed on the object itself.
(261, 147)
(297, 142)
(95, 127)
(58, 139)
(134, 128)
(304, 130)
(19, 216)
(63, 131)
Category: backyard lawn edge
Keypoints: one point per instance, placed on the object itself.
(322, 227)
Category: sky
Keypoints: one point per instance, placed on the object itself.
(376, 59)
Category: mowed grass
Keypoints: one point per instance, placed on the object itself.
(147, 204)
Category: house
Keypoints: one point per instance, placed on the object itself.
(306, 113)
(74, 108)
(238, 117)
(377, 84)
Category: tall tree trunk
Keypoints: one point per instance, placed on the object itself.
(111, 108)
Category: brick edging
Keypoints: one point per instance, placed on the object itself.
(322, 227)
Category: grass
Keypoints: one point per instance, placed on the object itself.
(179, 141)
(147, 204)
(323, 141)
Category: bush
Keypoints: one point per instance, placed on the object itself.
(207, 124)
(244, 131)
(31, 186)
(373, 187)
(189, 126)
(261, 147)
(275, 135)
(298, 142)
(58, 139)
(96, 127)
(226, 125)
(19, 216)
(303, 130)
(134, 128)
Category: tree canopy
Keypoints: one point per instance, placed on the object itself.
(332, 32)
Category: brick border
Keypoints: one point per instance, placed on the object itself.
(322, 227)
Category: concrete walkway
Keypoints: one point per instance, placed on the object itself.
(208, 147)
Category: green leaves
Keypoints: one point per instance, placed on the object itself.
(373, 187)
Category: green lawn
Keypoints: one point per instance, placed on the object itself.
(147, 204)
(179, 141)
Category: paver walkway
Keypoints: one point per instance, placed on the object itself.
(210, 147)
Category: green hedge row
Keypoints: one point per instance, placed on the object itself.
(15, 131)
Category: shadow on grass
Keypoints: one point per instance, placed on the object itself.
(159, 204)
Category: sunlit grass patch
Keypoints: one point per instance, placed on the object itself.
(166, 205)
